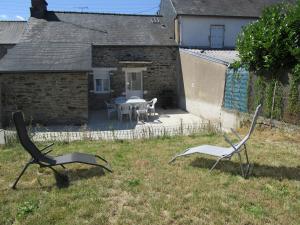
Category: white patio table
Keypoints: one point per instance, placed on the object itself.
(132, 102)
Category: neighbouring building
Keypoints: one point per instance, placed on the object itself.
(206, 32)
(211, 24)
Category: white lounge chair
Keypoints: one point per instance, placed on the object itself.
(226, 153)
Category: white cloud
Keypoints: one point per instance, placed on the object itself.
(3, 17)
(20, 18)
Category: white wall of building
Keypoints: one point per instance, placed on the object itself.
(195, 31)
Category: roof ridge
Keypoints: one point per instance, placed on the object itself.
(108, 14)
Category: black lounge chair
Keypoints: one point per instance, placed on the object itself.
(42, 158)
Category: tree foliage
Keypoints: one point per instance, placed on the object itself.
(294, 24)
(273, 42)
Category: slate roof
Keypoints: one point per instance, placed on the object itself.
(63, 40)
(11, 31)
(101, 29)
(232, 8)
(47, 56)
(225, 57)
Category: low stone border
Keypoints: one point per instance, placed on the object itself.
(245, 118)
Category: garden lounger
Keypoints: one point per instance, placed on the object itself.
(226, 153)
(42, 158)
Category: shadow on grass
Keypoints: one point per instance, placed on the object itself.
(86, 173)
(63, 180)
(279, 173)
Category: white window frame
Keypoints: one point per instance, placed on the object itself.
(102, 74)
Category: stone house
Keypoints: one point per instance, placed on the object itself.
(206, 33)
(62, 65)
(66, 63)
(10, 34)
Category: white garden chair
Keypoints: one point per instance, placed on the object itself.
(141, 111)
(151, 106)
(226, 153)
(110, 109)
(134, 97)
(125, 109)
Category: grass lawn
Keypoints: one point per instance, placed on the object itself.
(144, 189)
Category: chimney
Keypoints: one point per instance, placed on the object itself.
(38, 8)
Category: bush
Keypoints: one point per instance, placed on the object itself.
(272, 43)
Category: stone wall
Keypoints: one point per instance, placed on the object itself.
(4, 48)
(161, 63)
(46, 98)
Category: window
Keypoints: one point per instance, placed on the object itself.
(102, 80)
(102, 85)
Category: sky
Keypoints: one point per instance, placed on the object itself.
(19, 9)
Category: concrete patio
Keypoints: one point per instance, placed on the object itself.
(98, 120)
(164, 123)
